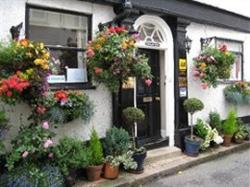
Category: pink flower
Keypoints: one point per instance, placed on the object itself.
(204, 85)
(51, 155)
(196, 73)
(25, 154)
(45, 125)
(90, 53)
(148, 82)
(47, 143)
(202, 75)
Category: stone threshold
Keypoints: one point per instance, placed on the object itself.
(161, 167)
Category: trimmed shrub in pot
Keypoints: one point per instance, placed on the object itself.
(192, 143)
(229, 127)
(95, 157)
(116, 143)
(134, 115)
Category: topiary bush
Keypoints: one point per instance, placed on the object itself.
(193, 105)
(133, 114)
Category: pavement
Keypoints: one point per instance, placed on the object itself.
(227, 171)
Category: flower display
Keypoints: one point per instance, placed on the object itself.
(112, 57)
(23, 70)
(213, 64)
(238, 93)
(63, 106)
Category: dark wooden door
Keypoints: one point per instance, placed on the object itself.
(148, 99)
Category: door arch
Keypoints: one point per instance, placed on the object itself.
(159, 37)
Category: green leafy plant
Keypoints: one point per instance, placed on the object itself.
(32, 143)
(63, 106)
(3, 124)
(213, 64)
(191, 106)
(238, 93)
(230, 125)
(200, 129)
(215, 121)
(70, 154)
(113, 57)
(242, 131)
(95, 149)
(116, 142)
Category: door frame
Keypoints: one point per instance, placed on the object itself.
(166, 73)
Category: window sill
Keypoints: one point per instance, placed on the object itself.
(71, 86)
(228, 81)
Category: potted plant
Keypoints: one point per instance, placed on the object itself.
(229, 127)
(134, 115)
(241, 132)
(116, 143)
(192, 143)
(95, 157)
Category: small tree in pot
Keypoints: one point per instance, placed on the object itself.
(192, 143)
(133, 115)
(229, 128)
(95, 157)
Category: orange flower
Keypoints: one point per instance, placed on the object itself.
(24, 42)
(203, 65)
(98, 70)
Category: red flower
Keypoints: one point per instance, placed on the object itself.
(24, 42)
(9, 93)
(61, 96)
(148, 82)
(112, 30)
(120, 29)
(40, 109)
(90, 53)
(223, 48)
(98, 70)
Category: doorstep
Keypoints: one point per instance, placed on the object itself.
(157, 166)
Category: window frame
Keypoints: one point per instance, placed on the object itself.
(218, 39)
(56, 86)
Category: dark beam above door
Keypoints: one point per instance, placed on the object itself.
(191, 10)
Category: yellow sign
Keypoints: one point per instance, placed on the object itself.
(182, 64)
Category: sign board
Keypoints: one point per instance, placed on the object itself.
(152, 44)
(183, 92)
(182, 64)
(76, 75)
(56, 79)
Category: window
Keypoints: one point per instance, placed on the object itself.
(234, 46)
(65, 34)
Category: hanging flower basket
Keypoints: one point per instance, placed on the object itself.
(238, 93)
(213, 64)
(112, 58)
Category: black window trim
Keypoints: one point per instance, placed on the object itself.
(64, 86)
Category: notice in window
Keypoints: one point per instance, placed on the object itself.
(76, 75)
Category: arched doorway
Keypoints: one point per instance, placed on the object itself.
(157, 42)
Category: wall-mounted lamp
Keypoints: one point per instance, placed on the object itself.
(205, 42)
(188, 43)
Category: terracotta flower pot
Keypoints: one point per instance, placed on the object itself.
(94, 172)
(227, 140)
(111, 172)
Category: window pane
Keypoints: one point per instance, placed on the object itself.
(60, 29)
(236, 71)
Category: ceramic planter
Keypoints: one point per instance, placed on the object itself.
(192, 146)
(139, 159)
(111, 172)
(94, 172)
(227, 140)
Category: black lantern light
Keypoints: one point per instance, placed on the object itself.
(188, 43)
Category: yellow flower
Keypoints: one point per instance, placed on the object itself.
(228, 53)
(29, 71)
(41, 45)
(39, 61)
(31, 45)
(98, 46)
(124, 45)
(29, 54)
(46, 55)
(45, 66)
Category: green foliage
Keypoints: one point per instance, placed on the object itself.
(30, 139)
(200, 129)
(215, 121)
(113, 57)
(213, 64)
(95, 150)
(116, 142)
(3, 120)
(133, 114)
(70, 154)
(242, 131)
(193, 105)
(230, 125)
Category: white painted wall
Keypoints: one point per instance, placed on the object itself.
(12, 13)
(213, 98)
